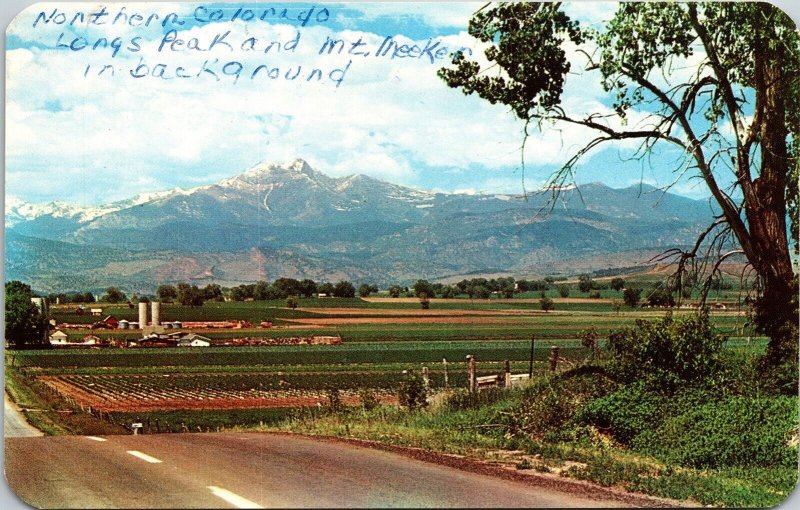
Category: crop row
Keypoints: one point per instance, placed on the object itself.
(117, 388)
(406, 352)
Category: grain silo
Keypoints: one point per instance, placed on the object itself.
(142, 315)
(155, 310)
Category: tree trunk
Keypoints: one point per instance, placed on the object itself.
(776, 310)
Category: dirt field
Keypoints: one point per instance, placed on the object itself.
(133, 402)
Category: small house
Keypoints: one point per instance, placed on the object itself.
(58, 337)
(192, 340)
(97, 312)
(91, 340)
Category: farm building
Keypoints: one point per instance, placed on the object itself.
(112, 322)
(58, 337)
(192, 340)
(96, 311)
(91, 340)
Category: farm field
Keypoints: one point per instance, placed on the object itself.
(382, 338)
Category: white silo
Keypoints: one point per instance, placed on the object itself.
(142, 315)
(155, 310)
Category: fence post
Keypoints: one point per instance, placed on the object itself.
(426, 380)
(444, 362)
(530, 369)
(507, 375)
(553, 357)
(472, 373)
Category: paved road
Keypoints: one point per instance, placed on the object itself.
(14, 423)
(248, 470)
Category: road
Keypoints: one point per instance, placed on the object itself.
(249, 470)
(14, 423)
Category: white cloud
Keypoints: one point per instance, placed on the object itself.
(389, 118)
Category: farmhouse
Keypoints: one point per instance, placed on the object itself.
(58, 337)
(193, 340)
(96, 311)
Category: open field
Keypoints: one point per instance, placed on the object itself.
(382, 338)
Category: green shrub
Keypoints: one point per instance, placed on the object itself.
(412, 393)
(547, 407)
(624, 414)
(736, 431)
(666, 352)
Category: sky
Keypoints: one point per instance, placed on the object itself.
(100, 110)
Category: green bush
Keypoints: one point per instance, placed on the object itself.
(412, 392)
(665, 352)
(736, 431)
(548, 406)
(624, 414)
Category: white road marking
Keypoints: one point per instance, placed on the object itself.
(98, 439)
(144, 457)
(233, 499)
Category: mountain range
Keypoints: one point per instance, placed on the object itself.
(290, 220)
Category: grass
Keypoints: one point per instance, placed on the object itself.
(475, 432)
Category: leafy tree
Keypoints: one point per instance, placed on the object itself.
(237, 293)
(288, 286)
(424, 287)
(394, 291)
(547, 304)
(585, 283)
(260, 291)
(617, 284)
(631, 296)
(735, 117)
(307, 288)
(661, 296)
(424, 301)
(189, 295)
(480, 291)
(326, 288)
(344, 289)
(364, 290)
(114, 295)
(212, 292)
(167, 293)
(448, 291)
(25, 324)
(563, 290)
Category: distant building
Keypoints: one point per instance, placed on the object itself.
(193, 340)
(58, 337)
(96, 311)
(41, 304)
(112, 322)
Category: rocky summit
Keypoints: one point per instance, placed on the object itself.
(290, 220)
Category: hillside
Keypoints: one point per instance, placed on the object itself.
(291, 220)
